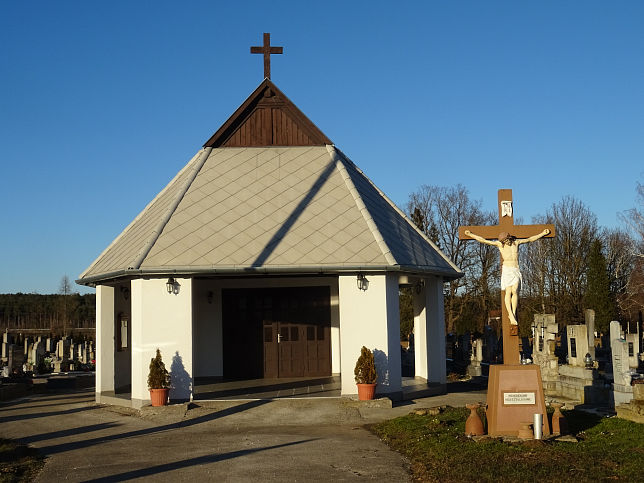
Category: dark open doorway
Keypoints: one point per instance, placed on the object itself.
(276, 332)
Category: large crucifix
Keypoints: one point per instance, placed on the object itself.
(267, 50)
(506, 236)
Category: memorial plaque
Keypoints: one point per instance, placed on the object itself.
(511, 398)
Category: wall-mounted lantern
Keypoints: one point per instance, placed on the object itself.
(170, 285)
(210, 297)
(363, 283)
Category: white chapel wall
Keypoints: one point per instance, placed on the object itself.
(161, 320)
(371, 318)
(104, 338)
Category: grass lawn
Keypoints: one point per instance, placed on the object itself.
(18, 462)
(608, 449)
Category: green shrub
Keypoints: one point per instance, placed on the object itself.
(365, 370)
(158, 378)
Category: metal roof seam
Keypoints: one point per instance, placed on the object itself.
(386, 251)
(170, 210)
(401, 213)
(137, 218)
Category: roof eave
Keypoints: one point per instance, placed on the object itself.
(94, 280)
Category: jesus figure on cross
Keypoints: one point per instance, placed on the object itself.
(508, 245)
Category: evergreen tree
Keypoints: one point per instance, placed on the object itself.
(598, 295)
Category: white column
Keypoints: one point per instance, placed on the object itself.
(161, 320)
(104, 339)
(421, 333)
(370, 318)
(335, 329)
(436, 370)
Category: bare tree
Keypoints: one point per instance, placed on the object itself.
(557, 270)
(635, 219)
(439, 212)
(620, 254)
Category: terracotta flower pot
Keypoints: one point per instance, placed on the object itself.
(473, 424)
(366, 392)
(159, 397)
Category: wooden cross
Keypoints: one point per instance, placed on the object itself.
(267, 50)
(506, 224)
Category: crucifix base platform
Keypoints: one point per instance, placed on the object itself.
(514, 396)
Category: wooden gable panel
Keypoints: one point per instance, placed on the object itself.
(267, 118)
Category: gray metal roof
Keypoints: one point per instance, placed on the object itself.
(269, 209)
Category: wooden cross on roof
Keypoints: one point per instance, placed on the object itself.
(267, 50)
(506, 224)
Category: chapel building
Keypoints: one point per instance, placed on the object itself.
(270, 255)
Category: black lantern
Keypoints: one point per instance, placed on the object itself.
(170, 285)
(363, 283)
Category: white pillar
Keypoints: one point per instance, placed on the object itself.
(161, 320)
(104, 339)
(335, 330)
(429, 332)
(371, 318)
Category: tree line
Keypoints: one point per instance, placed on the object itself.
(60, 313)
(583, 266)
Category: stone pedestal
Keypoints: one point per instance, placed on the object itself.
(581, 384)
(514, 396)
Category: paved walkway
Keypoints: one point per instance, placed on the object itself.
(285, 440)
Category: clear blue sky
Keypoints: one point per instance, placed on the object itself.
(101, 103)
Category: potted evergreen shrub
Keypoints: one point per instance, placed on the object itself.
(365, 374)
(158, 381)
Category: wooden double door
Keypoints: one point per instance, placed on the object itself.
(277, 332)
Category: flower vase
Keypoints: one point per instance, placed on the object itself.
(473, 424)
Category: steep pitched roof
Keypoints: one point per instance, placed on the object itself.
(299, 209)
(269, 193)
(267, 118)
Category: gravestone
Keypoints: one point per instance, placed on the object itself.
(615, 331)
(6, 342)
(37, 353)
(589, 317)
(577, 344)
(622, 389)
(16, 359)
(29, 353)
(633, 342)
(543, 351)
(62, 349)
(474, 369)
(576, 381)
